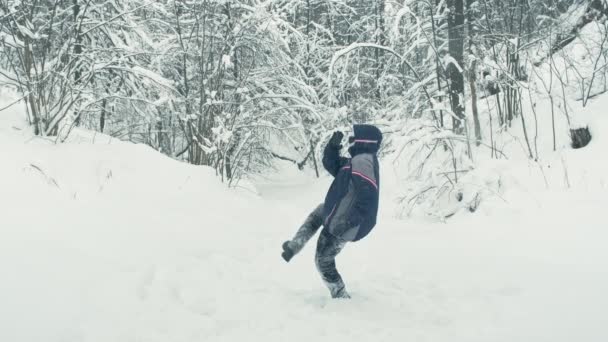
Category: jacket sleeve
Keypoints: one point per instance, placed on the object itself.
(366, 188)
(332, 160)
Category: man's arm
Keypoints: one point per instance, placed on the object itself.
(331, 155)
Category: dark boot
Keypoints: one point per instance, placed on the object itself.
(338, 291)
(288, 253)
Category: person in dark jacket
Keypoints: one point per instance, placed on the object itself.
(351, 205)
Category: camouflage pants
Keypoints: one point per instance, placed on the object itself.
(328, 247)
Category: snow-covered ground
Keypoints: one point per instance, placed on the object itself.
(102, 240)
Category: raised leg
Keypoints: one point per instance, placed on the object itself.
(310, 227)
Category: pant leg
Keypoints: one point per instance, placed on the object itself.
(307, 230)
(328, 247)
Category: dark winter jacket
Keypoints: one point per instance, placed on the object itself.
(351, 204)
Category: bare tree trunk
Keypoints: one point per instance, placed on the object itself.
(456, 50)
(314, 157)
(473, 77)
(473, 87)
(102, 117)
(308, 22)
(77, 52)
(380, 40)
(438, 69)
(523, 124)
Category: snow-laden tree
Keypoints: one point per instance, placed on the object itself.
(237, 84)
(78, 62)
(211, 82)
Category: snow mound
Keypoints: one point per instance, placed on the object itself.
(89, 227)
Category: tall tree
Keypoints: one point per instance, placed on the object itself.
(454, 62)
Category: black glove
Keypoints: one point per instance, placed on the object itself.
(336, 140)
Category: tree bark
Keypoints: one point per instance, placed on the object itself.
(476, 122)
(380, 40)
(77, 52)
(456, 51)
(472, 73)
(102, 117)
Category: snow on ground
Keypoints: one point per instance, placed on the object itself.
(103, 240)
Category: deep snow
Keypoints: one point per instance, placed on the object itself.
(103, 240)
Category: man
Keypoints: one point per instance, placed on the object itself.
(351, 205)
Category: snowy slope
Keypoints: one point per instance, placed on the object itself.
(104, 241)
(551, 109)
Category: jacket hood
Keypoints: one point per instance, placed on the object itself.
(367, 139)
